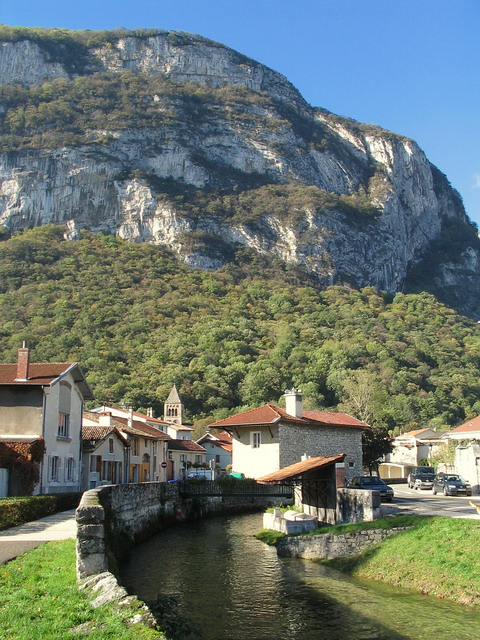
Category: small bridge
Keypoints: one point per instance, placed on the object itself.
(231, 488)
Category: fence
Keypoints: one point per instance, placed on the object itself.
(189, 488)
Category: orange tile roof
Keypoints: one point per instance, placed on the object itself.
(299, 468)
(471, 425)
(270, 414)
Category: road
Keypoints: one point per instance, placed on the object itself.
(424, 502)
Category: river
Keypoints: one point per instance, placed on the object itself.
(234, 587)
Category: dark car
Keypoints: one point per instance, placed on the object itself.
(450, 484)
(421, 478)
(372, 483)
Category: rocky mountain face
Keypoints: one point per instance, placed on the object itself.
(175, 140)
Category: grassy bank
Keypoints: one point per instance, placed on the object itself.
(40, 600)
(439, 556)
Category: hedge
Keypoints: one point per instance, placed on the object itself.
(15, 511)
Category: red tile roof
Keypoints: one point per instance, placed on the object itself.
(185, 445)
(471, 425)
(44, 373)
(299, 468)
(38, 373)
(270, 414)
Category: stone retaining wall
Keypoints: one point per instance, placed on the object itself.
(328, 545)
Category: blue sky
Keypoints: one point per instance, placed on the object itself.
(411, 66)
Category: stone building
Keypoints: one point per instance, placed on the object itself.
(269, 438)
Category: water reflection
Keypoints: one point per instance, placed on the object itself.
(236, 588)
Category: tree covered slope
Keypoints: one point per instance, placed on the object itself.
(137, 319)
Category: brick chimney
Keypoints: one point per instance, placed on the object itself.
(293, 402)
(23, 362)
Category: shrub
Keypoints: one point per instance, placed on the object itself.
(15, 511)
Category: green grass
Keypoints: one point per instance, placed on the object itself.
(40, 600)
(384, 523)
(439, 556)
(270, 537)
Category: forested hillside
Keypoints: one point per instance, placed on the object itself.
(137, 320)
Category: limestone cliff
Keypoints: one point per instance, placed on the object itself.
(211, 151)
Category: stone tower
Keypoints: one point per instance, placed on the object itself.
(173, 408)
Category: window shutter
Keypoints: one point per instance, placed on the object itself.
(49, 469)
(99, 464)
(59, 469)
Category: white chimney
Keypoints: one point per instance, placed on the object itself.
(105, 419)
(130, 417)
(293, 402)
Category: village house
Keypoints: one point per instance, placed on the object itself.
(45, 401)
(146, 450)
(411, 449)
(184, 456)
(219, 449)
(105, 455)
(467, 453)
(270, 438)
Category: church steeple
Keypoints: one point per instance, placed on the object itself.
(173, 407)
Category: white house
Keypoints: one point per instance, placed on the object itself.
(45, 400)
(105, 456)
(182, 455)
(219, 449)
(270, 438)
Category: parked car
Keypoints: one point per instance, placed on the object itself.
(372, 483)
(450, 484)
(421, 478)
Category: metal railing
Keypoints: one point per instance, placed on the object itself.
(232, 488)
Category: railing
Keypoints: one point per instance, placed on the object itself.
(189, 488)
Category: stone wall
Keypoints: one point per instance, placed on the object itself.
(298, 439)
(327, 546)
(358, 505)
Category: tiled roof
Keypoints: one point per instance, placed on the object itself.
(141, 428)
(137, 414)
(226, 447)
(44, 373)
(270, 414)
(334, 418)
(299, 468)
(38, 373)
(100, 432)
(471, 425)
(185, 445)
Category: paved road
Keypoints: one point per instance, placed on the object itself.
(424, 502)
(17, 540)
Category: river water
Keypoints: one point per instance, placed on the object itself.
(234, 587)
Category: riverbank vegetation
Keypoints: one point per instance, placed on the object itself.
(15, 511)
(136, 320)
(40, 600)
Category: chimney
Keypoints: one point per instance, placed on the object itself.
(23, 361)
(105, 420)
(293, 402)
(150, 412)
(130, 417)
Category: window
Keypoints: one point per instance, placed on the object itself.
(63, 425)
(145, 441)
(70, 469)
(110, 445)
(351, 465)
(256, 439)
(217, 459)
(198, 459)
(54, 464)
(134, 446)
(170, 455)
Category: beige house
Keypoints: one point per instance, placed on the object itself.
(270, 438)
(45, 400)
(219, 449)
